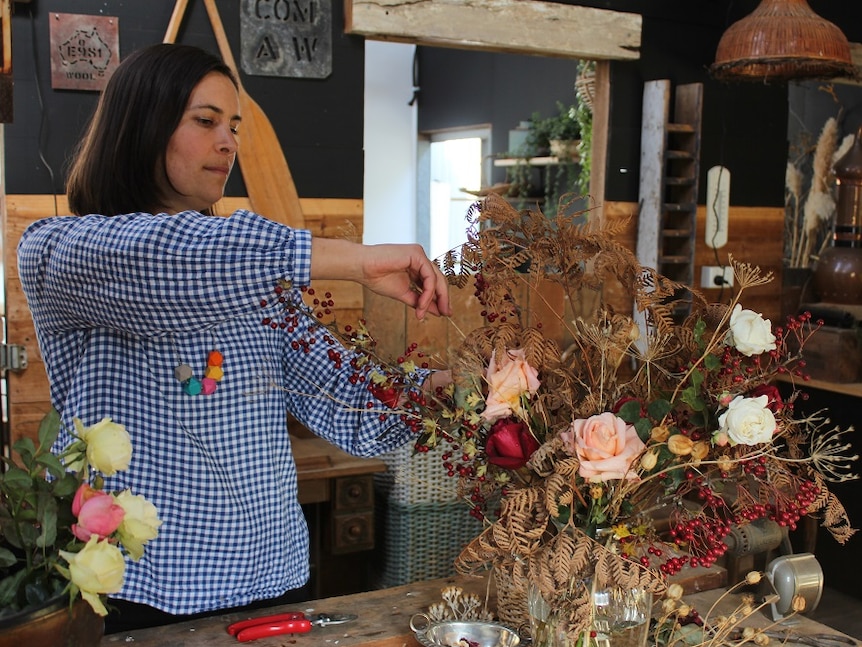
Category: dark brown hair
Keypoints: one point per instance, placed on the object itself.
(114, 169)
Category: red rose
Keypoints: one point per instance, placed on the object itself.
(775, 402)
(388, 395)
(510, 444)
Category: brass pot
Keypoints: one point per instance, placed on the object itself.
(54, 625)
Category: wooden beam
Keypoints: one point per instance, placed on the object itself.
(512, 26)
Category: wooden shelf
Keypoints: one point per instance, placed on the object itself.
(548, 160)
(853, 389)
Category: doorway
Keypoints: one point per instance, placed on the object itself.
(452, 169)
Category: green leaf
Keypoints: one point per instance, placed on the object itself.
(52, 464)
(698, 419)
(46, 513)
(699, 329)
(9, 588)
(49, 429)
(66, 486)
(7, 558)
(16, 480)
(26, 450)
(711, 362)
(630, 411)
(658, 409)
(644, 428)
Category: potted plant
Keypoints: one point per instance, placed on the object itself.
(61, 534)
(556, 134)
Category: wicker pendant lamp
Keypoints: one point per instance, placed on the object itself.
(782, 40)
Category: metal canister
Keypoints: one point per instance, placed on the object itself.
(838, 273)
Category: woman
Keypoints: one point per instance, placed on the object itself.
(131, 296)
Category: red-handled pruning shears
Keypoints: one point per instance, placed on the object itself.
(284, 623)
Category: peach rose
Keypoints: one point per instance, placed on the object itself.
(507, 382)
(606, 446)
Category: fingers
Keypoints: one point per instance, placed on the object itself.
(434, 292)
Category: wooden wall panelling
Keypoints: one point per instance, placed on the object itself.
(755, 236)
(28, 390)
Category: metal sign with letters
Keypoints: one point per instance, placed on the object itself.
(85, 50)
(291, 38)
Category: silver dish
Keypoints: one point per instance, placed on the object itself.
(451, 633)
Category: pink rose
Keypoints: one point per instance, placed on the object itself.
(510, 444)
(507, 383)
(605, 445)
(98, 514)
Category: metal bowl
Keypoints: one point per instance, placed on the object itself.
(451, 633)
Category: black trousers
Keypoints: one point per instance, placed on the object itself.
(128, 616)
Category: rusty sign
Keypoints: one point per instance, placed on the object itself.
(291, 38)
(85, 50)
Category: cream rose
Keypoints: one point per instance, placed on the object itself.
(508, 380)
(748, 421)
(140, 523)
(109, 447)
(98, 568)
(750, 333)
(606, 446)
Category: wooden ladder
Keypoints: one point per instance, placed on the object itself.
(669, 173)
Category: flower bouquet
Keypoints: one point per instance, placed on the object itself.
(60, 532)
(624, 446)
(655, 433)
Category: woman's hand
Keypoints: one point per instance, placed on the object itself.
(401, 272)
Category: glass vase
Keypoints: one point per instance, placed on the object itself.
(620, 618)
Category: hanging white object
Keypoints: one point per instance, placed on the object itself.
(717, 206)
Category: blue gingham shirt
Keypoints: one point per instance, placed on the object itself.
(118, 302)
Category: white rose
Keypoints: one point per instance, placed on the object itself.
(748, 421)
(109, 447)
(750, 333)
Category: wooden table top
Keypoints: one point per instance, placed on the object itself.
(384, 619)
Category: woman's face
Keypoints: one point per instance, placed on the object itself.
(202, 150)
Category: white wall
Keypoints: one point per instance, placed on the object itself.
(390, 144)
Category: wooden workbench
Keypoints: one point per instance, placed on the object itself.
(384, 620)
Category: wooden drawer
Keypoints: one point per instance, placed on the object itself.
(352, 514)
(352, 532)
(353, 493)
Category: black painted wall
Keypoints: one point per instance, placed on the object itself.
(744, 125)
(319, 121)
